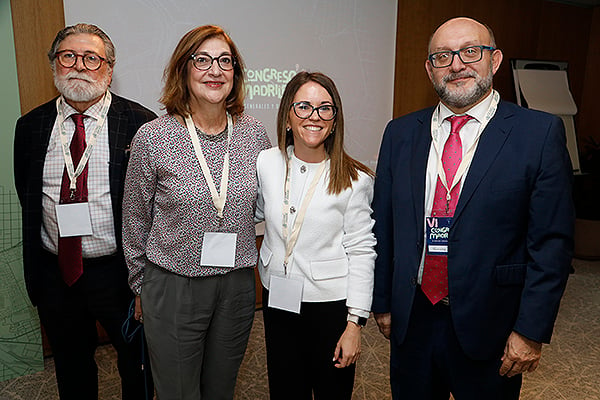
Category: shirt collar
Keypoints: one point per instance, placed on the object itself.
(477, 112)
(93, 111)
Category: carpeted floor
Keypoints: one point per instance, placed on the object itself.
(569, 370)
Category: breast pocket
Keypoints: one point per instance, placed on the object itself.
(507, 186)
(329, 269)
(265, 255)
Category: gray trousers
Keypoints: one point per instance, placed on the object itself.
(197, 330)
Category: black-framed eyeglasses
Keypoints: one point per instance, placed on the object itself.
(68, 59)
(304, 110)
(467, 55)
(204, 62)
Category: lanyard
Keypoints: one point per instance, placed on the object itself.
(71, 171)
(217, 198)
(436, 127)
(291, 238)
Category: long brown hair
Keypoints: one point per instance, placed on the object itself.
(176, 95)
(343, 168)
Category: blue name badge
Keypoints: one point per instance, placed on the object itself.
(438, 229)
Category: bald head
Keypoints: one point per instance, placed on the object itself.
(462, 62)
(462, 25)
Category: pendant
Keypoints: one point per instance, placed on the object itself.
(72, 194)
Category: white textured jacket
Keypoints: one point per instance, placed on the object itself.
(334, 254)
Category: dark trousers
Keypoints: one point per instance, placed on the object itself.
(69, 316)
(300, 351)
(430, 363)
(197, 331)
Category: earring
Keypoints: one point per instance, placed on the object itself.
(288, 130)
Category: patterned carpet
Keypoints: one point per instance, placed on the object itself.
(569, 370)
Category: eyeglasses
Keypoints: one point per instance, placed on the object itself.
(68, 59)
(304, 110)
(204, 62)
(467, 55)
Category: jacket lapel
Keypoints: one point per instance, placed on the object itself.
(117, 142)
(418, 173)
(492, 139)
(46, 125)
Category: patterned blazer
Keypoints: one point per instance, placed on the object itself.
(32, 136)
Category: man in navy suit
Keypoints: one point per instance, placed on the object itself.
(468, 280)
(80, 285)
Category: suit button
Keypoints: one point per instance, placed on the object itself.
(413, 281)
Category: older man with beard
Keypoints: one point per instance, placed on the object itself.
(70, 159)
(474, 226)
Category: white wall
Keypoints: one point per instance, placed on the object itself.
(352, 41)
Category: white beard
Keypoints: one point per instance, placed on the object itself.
(82, 89)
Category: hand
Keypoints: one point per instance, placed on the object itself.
(138, 309)
(347, 349)
(384, 322)
(520, 355)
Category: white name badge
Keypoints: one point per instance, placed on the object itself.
(74, 219)
(218, 249)
(285, 293)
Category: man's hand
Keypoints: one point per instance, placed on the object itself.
(384, 322)
(520, 355)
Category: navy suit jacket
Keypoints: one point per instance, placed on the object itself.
(32, 136)
(511, 240)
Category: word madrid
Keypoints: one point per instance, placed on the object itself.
(267, 82)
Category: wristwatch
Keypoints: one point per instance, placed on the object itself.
(360, 321)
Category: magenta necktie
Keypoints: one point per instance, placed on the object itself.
(435, 270)
(70, 259)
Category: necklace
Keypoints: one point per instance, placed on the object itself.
(212, 138)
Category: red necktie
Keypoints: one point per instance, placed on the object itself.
(70, 260)
(435, 269)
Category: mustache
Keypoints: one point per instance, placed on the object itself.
(459, 75)
(79, 75)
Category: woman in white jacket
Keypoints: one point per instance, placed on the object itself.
(317, 258)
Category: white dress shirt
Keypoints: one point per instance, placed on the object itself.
(468, 136)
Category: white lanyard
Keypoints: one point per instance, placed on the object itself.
(217, 198)
(291, 238)
(436, 127)
(71, 171)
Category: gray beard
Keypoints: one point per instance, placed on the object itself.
(80, 91)
(461, 98)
